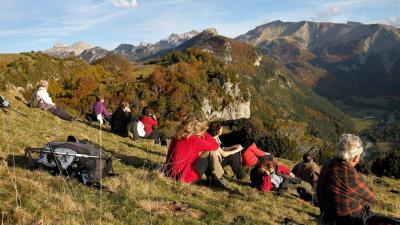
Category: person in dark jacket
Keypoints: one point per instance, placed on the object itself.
(230, 155)
(343, 194)
(307, 170)
(149, 120)
(122, 121)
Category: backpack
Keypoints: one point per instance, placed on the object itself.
(33, 101)
(84, 161)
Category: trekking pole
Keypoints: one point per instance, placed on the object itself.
(44, 150)
(21, 113)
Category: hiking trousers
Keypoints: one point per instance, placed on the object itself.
(158, 137)
(235, 162)
(208, 163)
(60, 113)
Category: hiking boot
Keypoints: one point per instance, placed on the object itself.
(218, 183)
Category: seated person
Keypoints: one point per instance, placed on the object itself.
(99, 110)
(230, 155)
(343, 194)
(122, 122)
(41, 99)
(193, 152)
(270, 176)
(307, 170)
(251, 155)
(150, 124)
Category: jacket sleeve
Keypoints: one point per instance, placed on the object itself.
(266, 185)
(208, 143)
(284, 170)
(362, 189)
(153, 122)
(257, 151)
(105, 112)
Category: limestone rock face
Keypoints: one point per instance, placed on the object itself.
(62, 50)
(238, 108)
(93, 54)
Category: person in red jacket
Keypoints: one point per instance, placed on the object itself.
(251, 155)
(150, 123)
(271, 176)
(193, 152)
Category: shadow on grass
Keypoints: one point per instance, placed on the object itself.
(144, 149)
(95, 125)
(140, 163)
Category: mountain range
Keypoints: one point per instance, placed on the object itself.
(335, 59)
(350, 63)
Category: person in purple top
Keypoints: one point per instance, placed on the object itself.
(100, 111)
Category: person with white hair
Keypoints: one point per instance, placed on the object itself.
(343, 194)
(41, 99)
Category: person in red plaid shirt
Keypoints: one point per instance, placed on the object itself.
(343, 194)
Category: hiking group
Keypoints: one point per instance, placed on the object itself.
(198, 148)
(121, 120)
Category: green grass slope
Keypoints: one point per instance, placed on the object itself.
(142, 195)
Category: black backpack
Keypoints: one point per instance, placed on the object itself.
(87, 162)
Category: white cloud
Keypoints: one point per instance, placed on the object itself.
(124, 3)
(393, 21)
(328, 13)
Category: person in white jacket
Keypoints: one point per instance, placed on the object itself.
(41, 99)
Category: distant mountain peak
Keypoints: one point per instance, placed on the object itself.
(211, 31)
(62, 50)
(60, 45)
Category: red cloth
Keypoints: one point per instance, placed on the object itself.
(148, 123)
(183, 154)
(267, 185)
(250, 156)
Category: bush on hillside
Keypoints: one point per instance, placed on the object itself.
(388, 166)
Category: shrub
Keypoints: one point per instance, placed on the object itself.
(388, 166)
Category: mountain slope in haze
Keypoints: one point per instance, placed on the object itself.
(146, 50)
(62, 51)
(273, 90)
(92, 54)
(353, 58)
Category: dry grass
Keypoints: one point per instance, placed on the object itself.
(9, 57)
(142, 195)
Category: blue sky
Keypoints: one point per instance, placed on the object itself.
(38, 24)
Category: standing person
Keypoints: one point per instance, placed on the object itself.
(149, 120)
(230, 155)
(99, 110)
(41, 99)
(307, 170)
(343, 194)
(192, 153)
(122, 121)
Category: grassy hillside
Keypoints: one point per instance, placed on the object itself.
(141, 194)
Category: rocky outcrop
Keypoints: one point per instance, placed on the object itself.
(93, 54)
(62, 51)
(237, 108)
